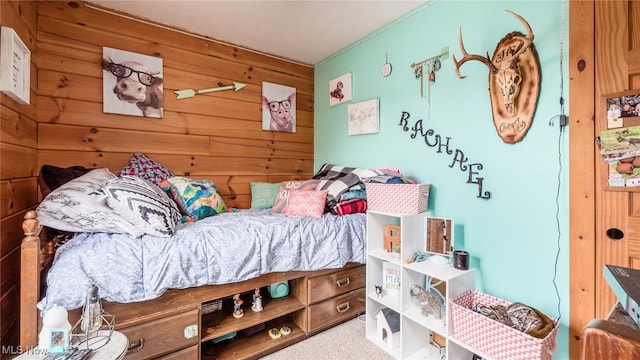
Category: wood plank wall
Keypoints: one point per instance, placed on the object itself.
(217, 136)
(18, 166)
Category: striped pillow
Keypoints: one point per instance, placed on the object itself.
(144, 204)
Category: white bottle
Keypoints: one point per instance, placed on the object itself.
(55, 318)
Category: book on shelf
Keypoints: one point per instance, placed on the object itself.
(390, 278)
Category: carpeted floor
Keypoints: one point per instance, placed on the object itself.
(345, 341)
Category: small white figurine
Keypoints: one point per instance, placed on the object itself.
(257, 301)
(237, 306)
(379, 291)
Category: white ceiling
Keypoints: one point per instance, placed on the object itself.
(303, 31)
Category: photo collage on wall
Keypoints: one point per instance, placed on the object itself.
(619, 143)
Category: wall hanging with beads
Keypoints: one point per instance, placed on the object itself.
(428, 68)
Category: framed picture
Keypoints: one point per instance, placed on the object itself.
(132, 84)
(438, 235)
(278, 107)
(364, 117)
(340, 90)
(623, 109)
(15, 66)
(59, 340)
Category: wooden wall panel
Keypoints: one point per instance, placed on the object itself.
(17, 195)
(18, 166)
(211, 135)
(62, 137)
(581, 130)
(17, 161)
(217, 136)
(17, 129)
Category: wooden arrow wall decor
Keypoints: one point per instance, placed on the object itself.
(189, 93)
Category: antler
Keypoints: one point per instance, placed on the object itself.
(466, 57)
(526, 40)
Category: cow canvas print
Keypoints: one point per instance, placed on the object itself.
(132, 83)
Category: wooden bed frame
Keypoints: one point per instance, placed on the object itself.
(317, 300)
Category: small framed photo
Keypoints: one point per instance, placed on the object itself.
(340, 90)
(623, 109)
(364, 117)
(15, 66)
(439, 235)
(59, 340)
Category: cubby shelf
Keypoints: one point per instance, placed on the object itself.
(416, 328)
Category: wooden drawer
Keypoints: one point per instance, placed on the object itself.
(190, 353)
(337, 283)
(161, 336)
(336, 309)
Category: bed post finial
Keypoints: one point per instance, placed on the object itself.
(30, 226)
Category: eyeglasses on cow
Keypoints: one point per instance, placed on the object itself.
(123, 72)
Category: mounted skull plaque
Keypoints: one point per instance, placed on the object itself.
(514, 81)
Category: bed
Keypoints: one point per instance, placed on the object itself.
(220, 249)
(307, 233)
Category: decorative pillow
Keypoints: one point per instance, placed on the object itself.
(51, 177)
(80, 206)
(263, 194)
(197, 199)
(144, 167)
(285, 187)
(309, 203)
(144, 204)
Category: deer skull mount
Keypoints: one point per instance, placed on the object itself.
(514, 81)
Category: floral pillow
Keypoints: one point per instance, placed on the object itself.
(263, 194)
(144, 167)
(144, 204)
(80, 206)
(308, 203)
(197, 199)
(283, 192)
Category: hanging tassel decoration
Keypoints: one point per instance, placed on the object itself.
(432, 64)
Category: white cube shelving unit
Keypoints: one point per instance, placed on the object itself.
(415, 327)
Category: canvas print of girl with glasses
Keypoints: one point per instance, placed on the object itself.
(132, 83)
(278, 107)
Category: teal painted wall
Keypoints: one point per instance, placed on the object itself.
(518, 239)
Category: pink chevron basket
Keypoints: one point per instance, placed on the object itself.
(492, 337)
(397, 198)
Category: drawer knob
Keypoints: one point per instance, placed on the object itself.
(342, 307)
(343, 282)
(135, 346)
